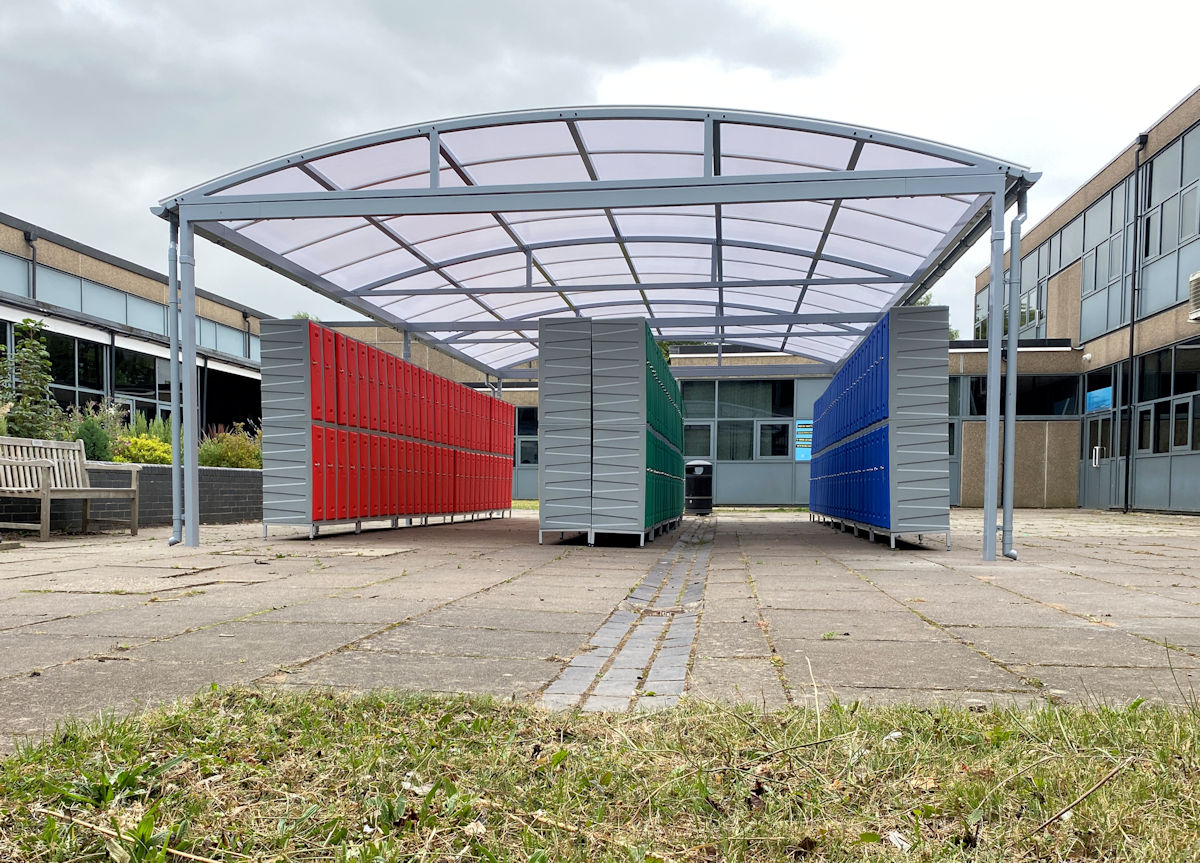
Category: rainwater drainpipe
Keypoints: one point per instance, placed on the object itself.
(1142, 140)
(1010, 374)
(176, 452)
(31, 239)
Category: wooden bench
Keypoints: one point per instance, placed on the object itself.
(58, 470)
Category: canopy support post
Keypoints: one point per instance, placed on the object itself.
(991, 455)
(1010, 373)
(191, 402)
(176, 406)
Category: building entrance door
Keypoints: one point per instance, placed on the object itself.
(1097, 468)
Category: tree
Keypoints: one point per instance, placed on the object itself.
(25, 380)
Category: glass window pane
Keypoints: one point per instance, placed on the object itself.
(103, 302)
(755, 399)
(1155, 378)
(135, 374)
(1191, 156)
(14, 275)
(735, 441)
(527, 421)
(1162, 426)
(1195, 425)
(1180, 438)
(1170, 225)
(1072, 241)
(697, 440)
(58, 288)
(773, 439)
(1096, 225)
(527, 452)
(1047, 395)
(1144, 429)
(62, 357)
(64, 397)
(146, 315)
(1125, 432)
(1187, 214)
(955, 407)
(1187, 369)
(699, 398)
(91, 365)
(1165, 173)
(231, 341)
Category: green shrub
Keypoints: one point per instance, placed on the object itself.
(236, 448)
(141, 449)
(160, 429)
(96, 444)
(109, 414)
(139, 426)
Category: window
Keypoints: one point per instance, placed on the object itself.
(1164, 174)
(1037, 395)
(135, 374)
(699, 398)
(955, 406)
(774, 440)
(527, 421)
(738, 399)
(1154, 381)
(952, 438)
(90, 365)
(527, 452)
(1187, 369)
(1195, 425)
(1072, 242)
(697, 440)
(1162, 426)
(1145, 429)
(62, 358)
(735, 440)
(1180, 439)
(14, 275)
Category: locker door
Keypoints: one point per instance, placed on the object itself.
(348, 444)
(343, 369)
(334, 494)
(393, 413)
(427, 405)
(364, 467)
(318, 473)
(364, 386)
(329, 375)
(373, 387)
(352, 382)
(376, 475)
(408, 464)
(316, 374)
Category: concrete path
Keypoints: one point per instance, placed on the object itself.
(748, 606)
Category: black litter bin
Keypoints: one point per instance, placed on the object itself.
(698, 487)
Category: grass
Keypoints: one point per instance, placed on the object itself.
(265, 776)
(525, 504)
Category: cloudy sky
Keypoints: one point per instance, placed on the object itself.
(111, 105)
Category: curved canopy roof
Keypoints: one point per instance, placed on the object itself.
(783, 233)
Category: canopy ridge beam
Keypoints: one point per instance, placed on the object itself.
(706, 322)
(664, 286)
(377, 287)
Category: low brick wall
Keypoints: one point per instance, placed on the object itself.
(226, 495)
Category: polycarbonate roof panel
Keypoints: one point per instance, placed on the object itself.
(601, 211)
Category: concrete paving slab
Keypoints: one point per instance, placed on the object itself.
(466, 641)
(874, 626)
(720, 640)
(24, 651)
(895, 664)
(1117, 687)
(258, 645)
(364, 670)
(1097, 647)
(736, 680)
(144, 621)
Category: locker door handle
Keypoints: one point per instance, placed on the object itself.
(1096, 456)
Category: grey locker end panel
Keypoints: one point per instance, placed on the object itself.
(619, 426)
(919, 416)
(287, 424)
(565, 424)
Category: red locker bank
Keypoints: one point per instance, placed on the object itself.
(352, 433)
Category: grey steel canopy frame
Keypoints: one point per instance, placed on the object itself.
(784, 233)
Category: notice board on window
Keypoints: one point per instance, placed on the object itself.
(804, 431)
